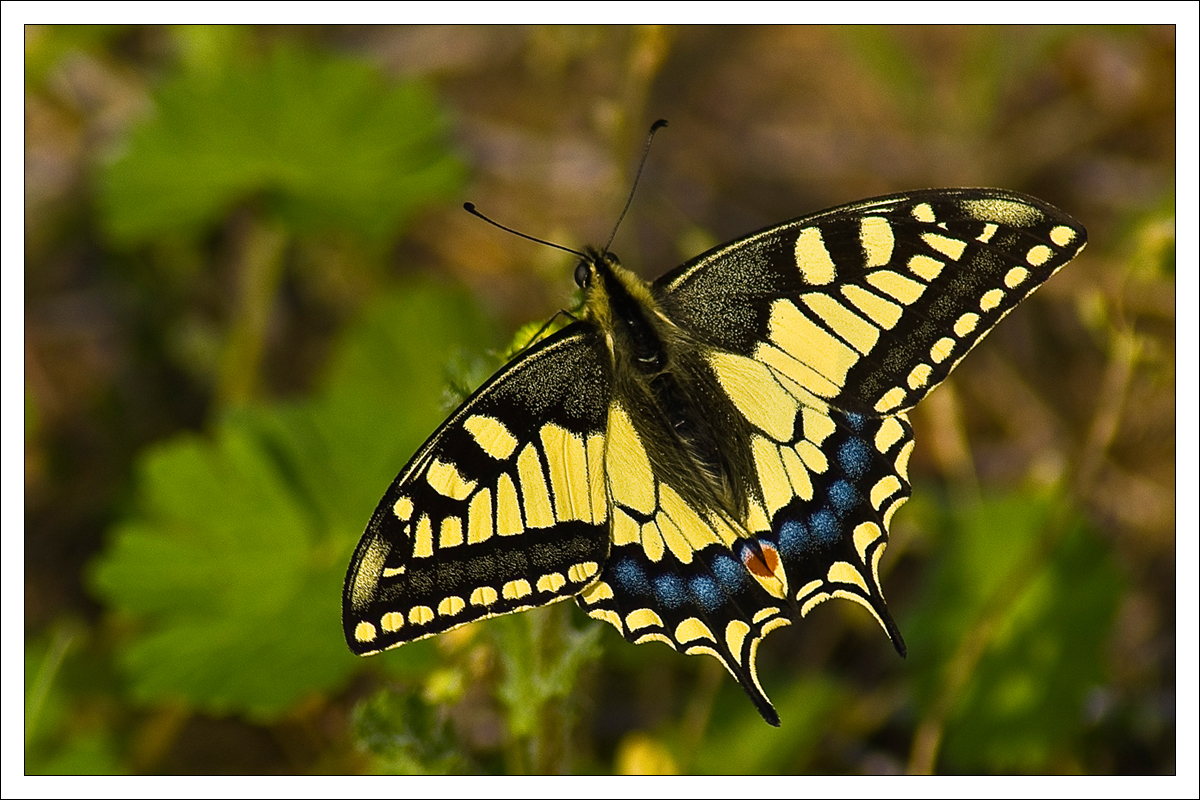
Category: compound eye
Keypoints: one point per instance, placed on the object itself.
(583, 274)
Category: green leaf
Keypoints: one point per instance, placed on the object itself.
(320, 142)
(232, 563)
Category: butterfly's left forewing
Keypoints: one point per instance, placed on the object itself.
(503, 509)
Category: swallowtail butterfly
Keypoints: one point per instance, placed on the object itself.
(703, 459)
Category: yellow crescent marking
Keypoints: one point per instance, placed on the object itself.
(965, 324)
(924, 267)
(735, 636)
(608, 616)
(891, 400)
(893, 284)
(515, 590)
(883, 313)
(364, 632)
(491, 435)
(600, 591)
(923, 212)
(691, 629)
(419, 615)
(553, 581)
(1017, 275)
(583, 571)
(508, 507)
(642, 618)
(942, 349)
(813, 258)
(450, 532)
(451, 606)
(919, 376)
(423, 546)
(1038, 255)
(483, 596)
(1062, 235)
(883, 489)
(403, 509)
(860, 333)
(445, 479)
(875, 235)
(864, 534)
(538, 512)
(808, 588)
(991, 298)
(479, 517)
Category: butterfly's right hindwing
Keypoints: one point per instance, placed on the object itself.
(501, 510)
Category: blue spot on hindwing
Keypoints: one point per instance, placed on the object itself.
(669, 590)
(854, 456)
(629, 576)
(824, 527)
(707, 592)
(794, 538)
(843, 496)
(855, 421)
(731, 574)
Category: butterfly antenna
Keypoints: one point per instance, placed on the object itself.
(662, 123)
(470, 208)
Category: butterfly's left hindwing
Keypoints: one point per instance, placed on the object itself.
(502, 509)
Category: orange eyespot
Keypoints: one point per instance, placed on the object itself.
(762, 560)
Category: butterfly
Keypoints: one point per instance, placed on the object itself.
(704, 458)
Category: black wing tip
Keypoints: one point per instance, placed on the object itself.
(893, 632)
(765, 709)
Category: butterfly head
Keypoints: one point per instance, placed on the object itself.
(592, 264)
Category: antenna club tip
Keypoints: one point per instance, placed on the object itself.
(659, 123)
(469, 207)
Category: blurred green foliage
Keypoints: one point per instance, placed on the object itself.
(67, 732)
(1024, 570)
(319, 142)
(234, 561)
